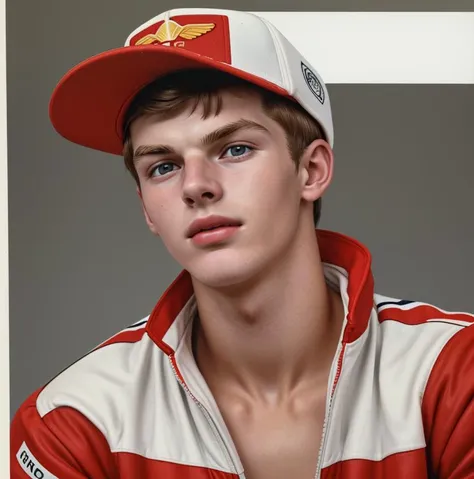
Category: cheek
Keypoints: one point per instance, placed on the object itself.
(157, 209)
(270, 187)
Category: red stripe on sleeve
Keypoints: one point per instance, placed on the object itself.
(133, 465)
(410, 465)
(448, 409)
(421, 314)
(126, 336)
(64, 444)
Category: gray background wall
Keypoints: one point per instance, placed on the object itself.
(82, 263)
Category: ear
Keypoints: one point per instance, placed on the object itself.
(316, 170)
(148, 220)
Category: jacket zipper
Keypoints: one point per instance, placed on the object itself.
(209, 419)
(217, 433)
(328, 415)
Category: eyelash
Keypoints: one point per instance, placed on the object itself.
(155, 167)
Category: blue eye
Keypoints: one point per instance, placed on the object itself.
(238, 150)
(163, 169)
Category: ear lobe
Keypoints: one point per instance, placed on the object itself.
(317, 164)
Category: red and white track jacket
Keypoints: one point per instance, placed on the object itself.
(400, 401)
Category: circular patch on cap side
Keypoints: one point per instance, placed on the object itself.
(313, 83)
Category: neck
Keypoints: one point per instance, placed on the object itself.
(274, 335)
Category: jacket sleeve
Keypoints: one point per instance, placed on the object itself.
(448, 409)
(61, 445)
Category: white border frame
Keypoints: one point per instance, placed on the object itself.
(445, 54)
(383, 47)
(4, 279)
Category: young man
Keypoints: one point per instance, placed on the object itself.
(270, 356)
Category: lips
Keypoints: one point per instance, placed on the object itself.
(210, 223)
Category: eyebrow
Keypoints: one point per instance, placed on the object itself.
(212, 137)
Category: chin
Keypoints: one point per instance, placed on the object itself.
(225, 270)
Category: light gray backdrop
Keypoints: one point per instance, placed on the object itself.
(82, 262)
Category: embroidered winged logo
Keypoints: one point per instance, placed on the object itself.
(170, 30)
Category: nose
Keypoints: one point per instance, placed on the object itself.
(201, 184)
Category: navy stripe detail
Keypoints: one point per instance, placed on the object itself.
(136, 324)
(402, 302)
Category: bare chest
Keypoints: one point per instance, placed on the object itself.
(278, 443)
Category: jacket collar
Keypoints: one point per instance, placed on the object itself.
(172, 313)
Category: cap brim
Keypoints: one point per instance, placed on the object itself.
(88, 104)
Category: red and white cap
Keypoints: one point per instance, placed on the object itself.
(89, 103)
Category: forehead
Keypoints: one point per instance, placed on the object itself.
(236, 103)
